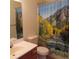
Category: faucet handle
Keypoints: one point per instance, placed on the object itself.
(11, 44)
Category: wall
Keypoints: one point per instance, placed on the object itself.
(12, 20)
(30, 22)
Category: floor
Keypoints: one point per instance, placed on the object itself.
(53, 56)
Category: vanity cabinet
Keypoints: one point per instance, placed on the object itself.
(30, 55)
(24, 50)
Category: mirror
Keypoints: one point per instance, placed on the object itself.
(16, 25)
(19, 26)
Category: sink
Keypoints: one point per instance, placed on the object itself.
(13, 50)
(21, 48)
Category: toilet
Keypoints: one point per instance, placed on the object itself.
(42, 52)
(33, 39)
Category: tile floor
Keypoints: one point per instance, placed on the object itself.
(53, 56)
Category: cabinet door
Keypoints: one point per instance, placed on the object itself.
(30, 55)
(33, 57)
(34, 54)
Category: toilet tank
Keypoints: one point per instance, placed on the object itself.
(33, 39)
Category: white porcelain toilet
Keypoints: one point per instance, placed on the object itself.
(42, 52)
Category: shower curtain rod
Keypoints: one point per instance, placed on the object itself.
(39, 2)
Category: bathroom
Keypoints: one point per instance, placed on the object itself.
(33, 25)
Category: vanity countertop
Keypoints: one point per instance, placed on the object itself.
(21, 48)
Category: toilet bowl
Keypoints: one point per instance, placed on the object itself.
(42, 52)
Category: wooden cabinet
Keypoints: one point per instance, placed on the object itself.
(30, 55)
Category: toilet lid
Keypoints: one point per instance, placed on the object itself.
(42, 50)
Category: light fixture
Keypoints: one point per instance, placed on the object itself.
(18, 0)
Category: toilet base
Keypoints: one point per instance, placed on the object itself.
(41, 57)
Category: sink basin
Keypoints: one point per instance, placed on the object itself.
(13, 50)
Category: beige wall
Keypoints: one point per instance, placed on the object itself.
(12, 20)
(30, 22)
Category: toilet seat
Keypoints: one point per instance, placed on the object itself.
(42, 50)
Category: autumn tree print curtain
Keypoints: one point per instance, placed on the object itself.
(54, 26)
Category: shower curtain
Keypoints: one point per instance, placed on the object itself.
(54, 26)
